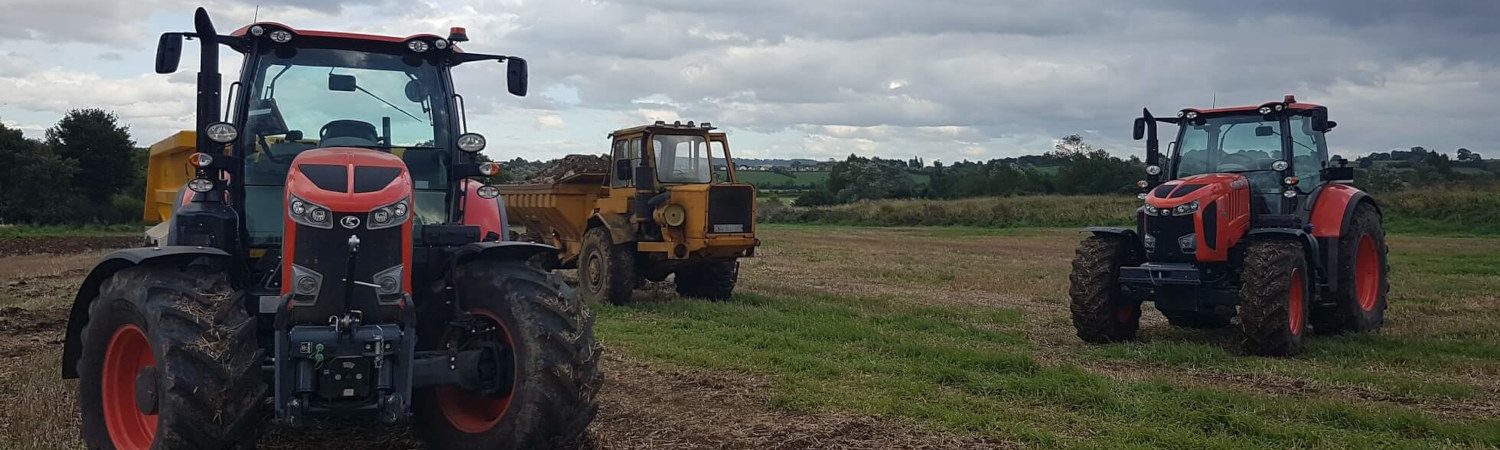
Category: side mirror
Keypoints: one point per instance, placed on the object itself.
(1140, 128)
(342, 83)
(414, 91)
(1320, 121)
(515, 76)
(623, 169)
(293, 136)
(1264, 130)
(168, 52)
(1330, 126)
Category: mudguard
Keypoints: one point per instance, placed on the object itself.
(1334, 209)
(115, 262)
(619, 227)
(1112, 231)
(506, 250)
(1309, 246)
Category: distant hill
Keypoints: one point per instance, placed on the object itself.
(772, 162)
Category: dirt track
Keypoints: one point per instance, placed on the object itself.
(642, 407)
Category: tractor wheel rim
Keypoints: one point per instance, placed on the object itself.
(1367, 273)
(594, 270)
(474, 413)
(1294, 303)
(129, 351)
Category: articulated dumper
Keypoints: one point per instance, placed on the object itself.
(667, 204)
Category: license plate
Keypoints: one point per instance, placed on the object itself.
(729, 228)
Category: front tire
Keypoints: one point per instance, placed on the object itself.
(1360, 302)
(710, 280)
(606, 271)
(556, 360)
(1274, 298)
(170, 361)
(1100, 313)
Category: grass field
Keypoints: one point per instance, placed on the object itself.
(940, 337)
(765, 179)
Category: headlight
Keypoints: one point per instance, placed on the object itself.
(1181, 114)
(308, 213)
(1192, 114)
(470, 142)
(1151, 210)
(1185, 208)
(389, 215)
(221, 132)
(488, 191)
(674, 215)
(1153, 170)
(281, 36)
(1149, 242)
(1142, 184)
(306, 283)
(1141, 196)
(388, 281)
(200, 185)
(417, 46)
(1264, 110)
(1188, 243)
(440, 44)
(257, 30)
(1289, 193)
(1279, 166)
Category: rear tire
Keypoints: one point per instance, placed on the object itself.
(711, 280)
(183, 334)
(553, 398)
(1274, 298)
(1100, 313)
(606, 271)
(1360, 302)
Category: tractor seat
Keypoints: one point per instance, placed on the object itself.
(348, 133)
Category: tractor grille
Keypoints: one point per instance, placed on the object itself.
(1166, 230)
(327, 252)
(731, 209)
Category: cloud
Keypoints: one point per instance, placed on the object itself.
(550, 122)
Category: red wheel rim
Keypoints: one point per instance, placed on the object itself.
(129, 351)
(1124, 313)
(1367, 273)
(1294, 303)
(470, 412)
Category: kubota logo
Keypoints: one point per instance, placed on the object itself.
(349, 222)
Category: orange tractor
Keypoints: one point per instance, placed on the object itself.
(331, 253)
(1255, 220)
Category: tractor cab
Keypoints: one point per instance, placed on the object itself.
(1244, 200)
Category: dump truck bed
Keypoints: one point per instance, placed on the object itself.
(557, 212)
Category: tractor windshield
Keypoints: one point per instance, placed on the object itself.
(681, 158)
(1228, 144)
(306, 98)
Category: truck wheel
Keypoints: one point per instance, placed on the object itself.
(1198, 320)
(606, 271)
(1100, 314)
(551, 333)
(170, 360)
(711, 280)
(1274, 298)
(1359, 304)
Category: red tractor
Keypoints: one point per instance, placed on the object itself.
(331, 254)
(1256, 220)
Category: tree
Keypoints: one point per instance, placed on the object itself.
(102, 149)
(29, 171)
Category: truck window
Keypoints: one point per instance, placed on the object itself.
(616, 178)
(720, 158)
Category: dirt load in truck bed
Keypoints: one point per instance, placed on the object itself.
(567, 166)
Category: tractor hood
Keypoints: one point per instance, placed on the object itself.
(346, 179)
(1204, 187)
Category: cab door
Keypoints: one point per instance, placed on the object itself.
(619, 187)
(718, 145)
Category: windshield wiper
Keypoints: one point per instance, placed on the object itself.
(398, 108)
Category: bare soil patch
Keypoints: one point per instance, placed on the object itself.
(29, 245)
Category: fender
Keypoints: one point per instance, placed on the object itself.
(115, 262)
(1127, 234)
(1334, 209)
(619, 226)
(504, 250)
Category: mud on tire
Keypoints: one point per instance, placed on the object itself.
(1100, 314)
(711, 280)
(606, 271)
(1274, 298)
(207, 365)
(557, 375)
(1360, 302)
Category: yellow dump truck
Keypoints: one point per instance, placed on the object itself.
(667, 204)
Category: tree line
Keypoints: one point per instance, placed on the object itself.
(86, 169)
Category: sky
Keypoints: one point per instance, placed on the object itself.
(940, 79)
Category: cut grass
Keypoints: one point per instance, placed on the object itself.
(9, 231)
(874, 356)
